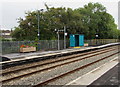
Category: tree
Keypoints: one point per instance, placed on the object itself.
(90, 20)
(97, 21)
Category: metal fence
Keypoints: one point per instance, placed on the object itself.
(14, 46)
(94, 42)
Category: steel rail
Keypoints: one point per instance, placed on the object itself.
(70, 72)
(6, 80)
(58, 60)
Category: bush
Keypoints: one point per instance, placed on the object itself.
(3, 39)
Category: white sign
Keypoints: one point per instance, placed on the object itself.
(38, 34)
(65, 34)
(96, 35)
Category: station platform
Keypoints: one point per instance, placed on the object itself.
(89, 79)
(14, 56)
(111, 78)
(106, 75)
(22, 58)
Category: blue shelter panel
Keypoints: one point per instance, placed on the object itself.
(72, 40)
(81, 40)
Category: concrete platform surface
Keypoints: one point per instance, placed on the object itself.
(22, 55)
(13, 56)
(93, 75)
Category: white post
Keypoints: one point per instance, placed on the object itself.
(38, 25)
(64, 37)
(58, 40)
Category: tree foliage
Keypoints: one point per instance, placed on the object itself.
(90, 20)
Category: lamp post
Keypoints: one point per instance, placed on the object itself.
(58, 37)
(58, 40)
(65, 34)
(96, 38)
(39, 27)
(39, 23)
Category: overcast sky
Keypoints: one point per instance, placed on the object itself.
(10, 10)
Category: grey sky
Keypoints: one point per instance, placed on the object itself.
(10, 10)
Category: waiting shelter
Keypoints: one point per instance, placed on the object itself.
(76, 40)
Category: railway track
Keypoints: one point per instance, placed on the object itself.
(70, 72)
(33, 65)
(57, 63)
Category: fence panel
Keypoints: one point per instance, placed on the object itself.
(95, 42)
(10, 46)
(14, 46)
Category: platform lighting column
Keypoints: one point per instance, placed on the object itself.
(96, 38)
(58, 37)
(39, 23)
(65, 34)
(58, 40)
(39, 27)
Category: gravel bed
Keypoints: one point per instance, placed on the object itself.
(71, 77)
(38, 68)
(36, 78)
(41, 67)
(33, 64)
